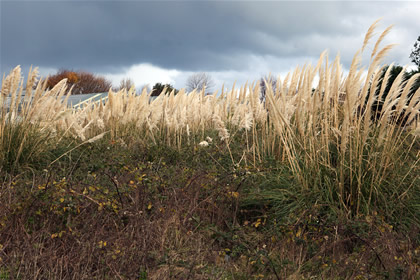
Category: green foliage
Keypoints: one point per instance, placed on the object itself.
(415, 54)
(22, 144)
(159, 87)
(377, 105)
(142, 211)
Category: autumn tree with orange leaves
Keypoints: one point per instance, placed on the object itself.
(81, 81)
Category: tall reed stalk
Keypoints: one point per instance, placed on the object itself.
(27, 122)
(332, 144)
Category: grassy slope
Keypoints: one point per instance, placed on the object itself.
(107, 211)
(311, 183)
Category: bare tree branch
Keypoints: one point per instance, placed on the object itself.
(126, 83)
(198, 81)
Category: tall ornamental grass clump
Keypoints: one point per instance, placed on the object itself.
(348, 160)
(339, 154)
(27, 121)
(172, 119)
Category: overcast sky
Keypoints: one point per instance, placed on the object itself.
(166, 41)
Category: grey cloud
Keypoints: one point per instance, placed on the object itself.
(107, 36)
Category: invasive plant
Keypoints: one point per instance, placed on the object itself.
(27, 122)
(338, 151)
(307, 181)
(325, 135)
(34, 122)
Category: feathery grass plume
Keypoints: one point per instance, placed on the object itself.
(30, 87)
(327, 135)
(220, 127)
(380, 39)
(372, 98)
(32, 79)
(378, 58)
(408, 87)
(22, 140)
(6, 84)
(390, 100)
(46, 105)
(18, 99)
(413, 107)
(286, 134)
(246, 122)
(9, 87)
(97, 137)
(204, 143)
(369, 34)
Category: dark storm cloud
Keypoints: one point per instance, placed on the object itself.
(110, 34)
(107, 36)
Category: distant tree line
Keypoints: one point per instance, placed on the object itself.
(85, 82)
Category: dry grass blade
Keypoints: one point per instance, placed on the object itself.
(369, 34)
(378, 42)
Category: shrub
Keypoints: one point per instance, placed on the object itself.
(158, 88)
(82, 82)
(127, 84)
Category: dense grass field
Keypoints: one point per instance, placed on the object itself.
(309, 182)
